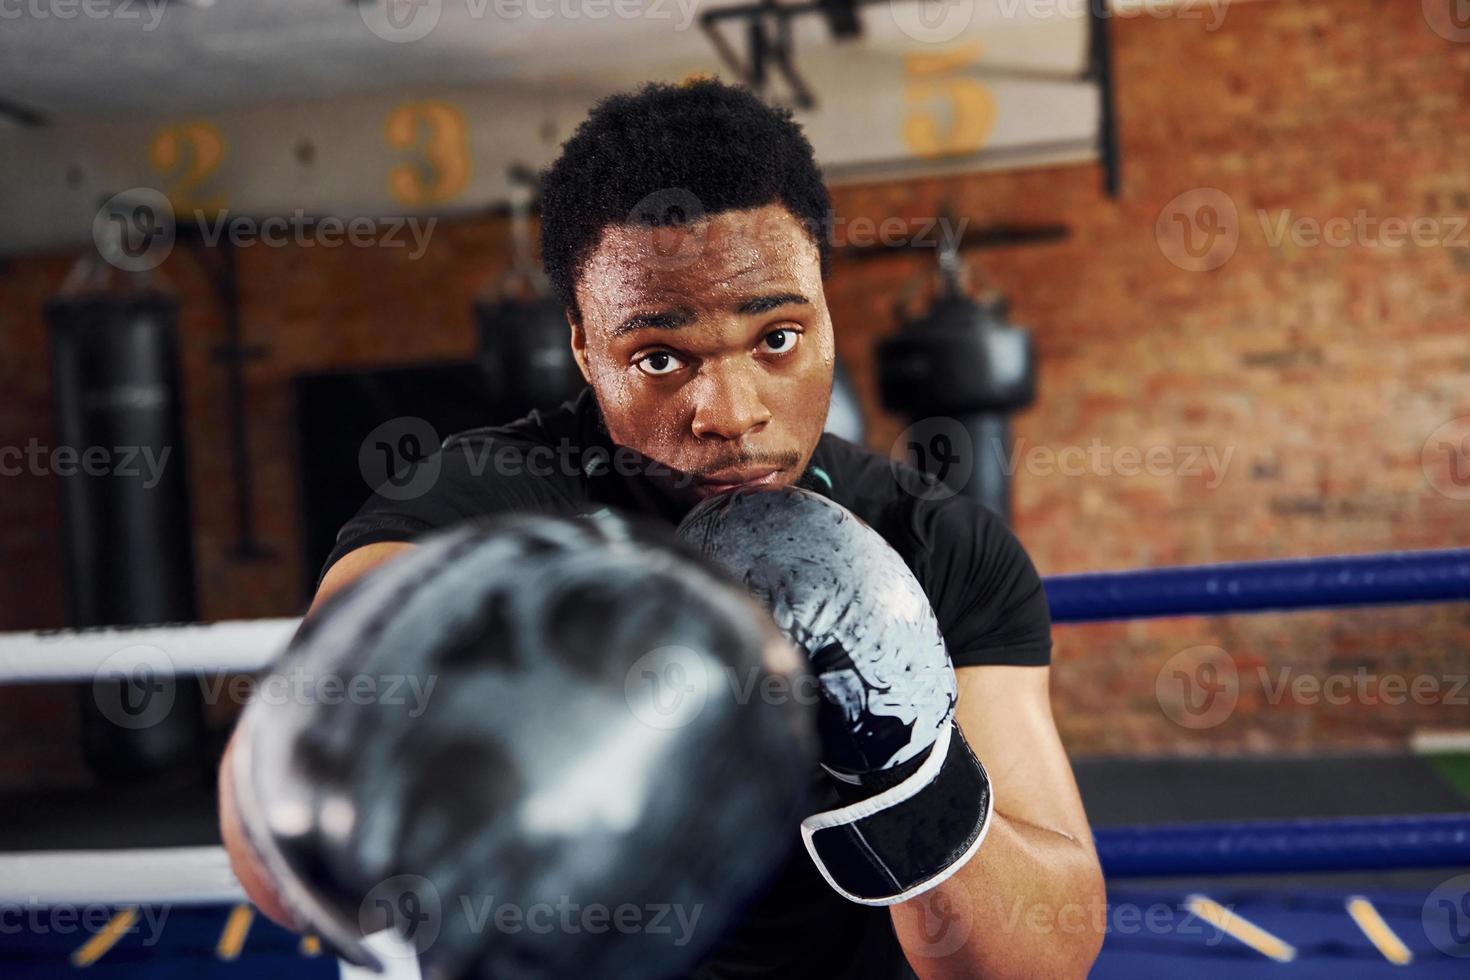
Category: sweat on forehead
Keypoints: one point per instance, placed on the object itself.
(742, 262)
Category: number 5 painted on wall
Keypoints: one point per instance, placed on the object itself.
(969, 105)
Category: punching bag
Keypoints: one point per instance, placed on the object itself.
(126, 517)
(526, 352)
(962, 363)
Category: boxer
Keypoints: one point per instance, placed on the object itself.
(685, 232)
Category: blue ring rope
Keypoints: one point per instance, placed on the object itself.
(1261, 586)
(1285, 846)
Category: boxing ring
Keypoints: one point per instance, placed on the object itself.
(173, 911)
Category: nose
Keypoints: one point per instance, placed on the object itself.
(728, 404)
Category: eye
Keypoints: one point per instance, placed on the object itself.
(781, 341)
(659, 363)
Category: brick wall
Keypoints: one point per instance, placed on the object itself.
(1313, 373)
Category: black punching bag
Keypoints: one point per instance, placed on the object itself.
(962, 365)
(126, 516)
(525, 349)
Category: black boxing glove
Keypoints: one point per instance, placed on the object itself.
(551, 765)
(917, 801)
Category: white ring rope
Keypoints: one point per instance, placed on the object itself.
(146, 876)
(238, 647)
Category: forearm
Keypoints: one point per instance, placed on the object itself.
(251, 874)
(1030, 903)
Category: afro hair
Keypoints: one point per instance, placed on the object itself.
(664, 151)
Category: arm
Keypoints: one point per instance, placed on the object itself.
(247, 869)
(1031, 902)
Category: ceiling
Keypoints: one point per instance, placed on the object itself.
(159, 57)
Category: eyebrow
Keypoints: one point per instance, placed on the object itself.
(673, 319)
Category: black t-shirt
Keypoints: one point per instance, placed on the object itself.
(986, 595)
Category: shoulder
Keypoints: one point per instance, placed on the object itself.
(543, 453)
(532, 465)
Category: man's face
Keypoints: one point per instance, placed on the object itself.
(709, 347)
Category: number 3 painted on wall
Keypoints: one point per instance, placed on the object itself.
(436, 132)
(970, 104)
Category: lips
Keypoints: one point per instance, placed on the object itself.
(745, 477)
